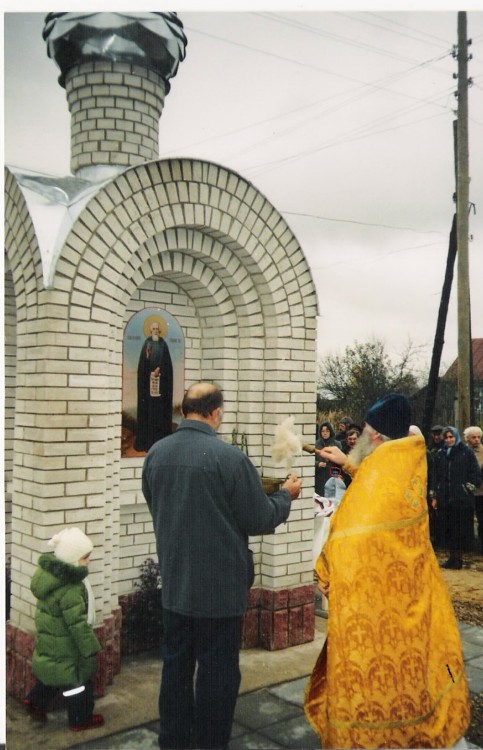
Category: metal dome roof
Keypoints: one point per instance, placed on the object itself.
(154, 40)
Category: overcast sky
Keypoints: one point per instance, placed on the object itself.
(343, 120)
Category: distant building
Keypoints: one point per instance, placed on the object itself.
(446, 406)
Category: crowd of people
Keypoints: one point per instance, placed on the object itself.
(454, 483)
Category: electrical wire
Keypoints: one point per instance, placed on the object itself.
(258, 169)
(339, 101)
(361, 223)
(367, 86)
(368, 128)
(410, 28)
(333, 36)
(379, 257)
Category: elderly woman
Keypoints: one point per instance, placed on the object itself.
(325, 438)
(472, 437)
(456, 475)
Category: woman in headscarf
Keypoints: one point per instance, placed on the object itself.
(326, 437)
(456, 475)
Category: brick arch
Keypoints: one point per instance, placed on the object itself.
(241, 286)
(206, 278)
(226, 310)
(151, 199)
(205, 285)
(22, 250)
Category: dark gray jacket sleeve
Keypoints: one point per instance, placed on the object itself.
(145, 485)
(256, 512)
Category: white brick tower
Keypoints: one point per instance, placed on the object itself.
(115, 68)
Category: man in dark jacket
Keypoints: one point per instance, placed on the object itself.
(206, 499)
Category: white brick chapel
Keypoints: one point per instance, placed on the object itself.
(124, 233)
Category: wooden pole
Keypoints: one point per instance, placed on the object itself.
(462, 229)
(433, 378)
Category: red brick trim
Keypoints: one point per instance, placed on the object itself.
(20, 647)
(279, 619)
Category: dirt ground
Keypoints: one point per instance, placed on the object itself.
(466, 588)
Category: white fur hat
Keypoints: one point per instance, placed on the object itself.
(70, 545)
(414, 430)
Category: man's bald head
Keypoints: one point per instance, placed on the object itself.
(201, 399)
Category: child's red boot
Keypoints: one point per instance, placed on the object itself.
(34, 711)
(96, 721)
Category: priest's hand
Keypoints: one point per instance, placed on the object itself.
(334, 454)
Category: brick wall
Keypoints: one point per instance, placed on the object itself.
(10, 366)
(20, 647)
(115, 110)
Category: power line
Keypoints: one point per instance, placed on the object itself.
(362, 223)
(367, 86)
(261, 168)
(370, 259)
(358, 134)
(337, 37)
(300, 63)
(360, 129)
(410, 28)
(373, 128)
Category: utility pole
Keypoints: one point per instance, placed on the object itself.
(462, 230)
(433, 378)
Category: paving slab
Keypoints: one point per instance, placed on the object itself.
(292, 734)
(292, 692)
(258, 709)
(132, 739)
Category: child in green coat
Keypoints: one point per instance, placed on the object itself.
(65, 644)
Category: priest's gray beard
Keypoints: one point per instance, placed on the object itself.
(363, 448)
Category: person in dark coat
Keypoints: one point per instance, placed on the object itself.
(352, 436)
(472, 436)
(65, 650)
(353, 433)
(456, 474)
(205, 498)
(344, 425)
(154, 390)
(326, 438)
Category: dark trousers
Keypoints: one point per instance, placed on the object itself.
(198, 712)
(79, 706)
(456, 529)
(479, 518)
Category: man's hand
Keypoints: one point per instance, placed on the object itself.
(293, 485)
(323, 589)
(334, 454)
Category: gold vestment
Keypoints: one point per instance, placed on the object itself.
(391, 672)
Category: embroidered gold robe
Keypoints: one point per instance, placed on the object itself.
(391, 672)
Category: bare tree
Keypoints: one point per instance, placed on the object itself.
(363, 373)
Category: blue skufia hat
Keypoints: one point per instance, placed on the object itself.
(390, 416)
